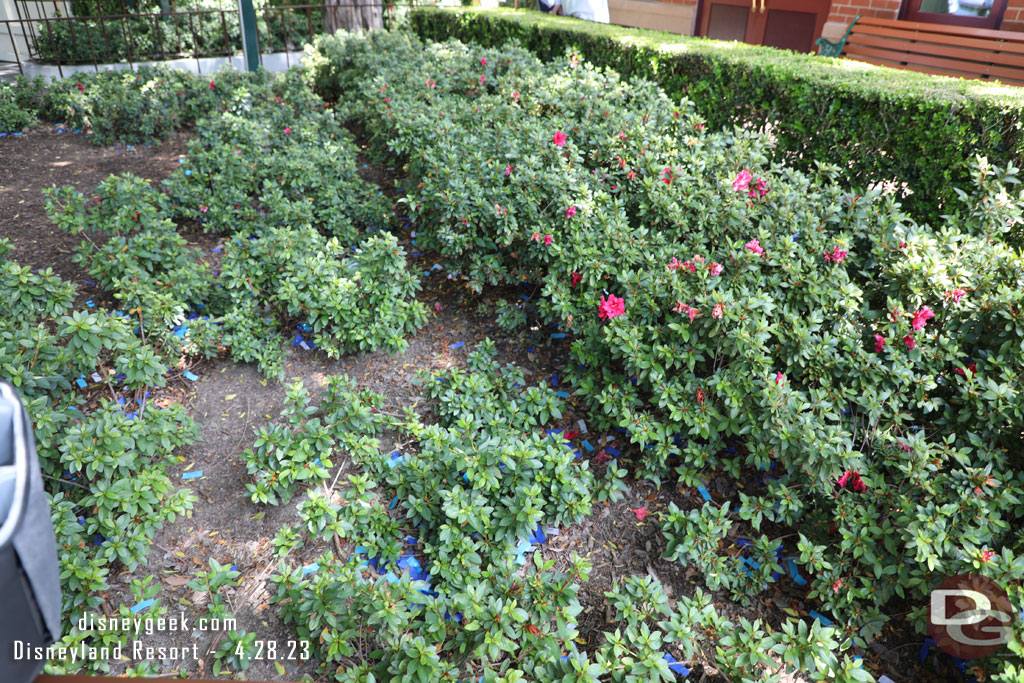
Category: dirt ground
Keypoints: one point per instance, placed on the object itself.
(229, 401)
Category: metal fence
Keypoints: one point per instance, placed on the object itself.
(98, 33)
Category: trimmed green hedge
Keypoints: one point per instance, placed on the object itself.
(881, 124)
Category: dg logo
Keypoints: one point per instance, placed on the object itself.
(970, 616)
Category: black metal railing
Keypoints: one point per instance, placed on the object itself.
(68, 33)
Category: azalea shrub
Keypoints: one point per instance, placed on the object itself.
(734, 315)
(430, 563)
(305, 245)
(104, 445)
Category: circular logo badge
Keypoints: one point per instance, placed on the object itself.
(969, 616)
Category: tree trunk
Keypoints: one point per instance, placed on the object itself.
(353, 15)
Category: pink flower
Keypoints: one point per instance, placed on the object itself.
(680, 307)
(602, 457)
(515, 95)
(287, 131)
(688, 265)
(715, 268)
(559, 138)
(909, 341)
(921, 318)
(640, 513)
(742, 180)
(837, 255)
(905, 447)
(612, 307)
(987, 555)
(754, 246)
(204, 209)
(547, 240)
(570, 212)
(760, 189)
(717, 311)
(666, 176)
(431, 83)
(879, 343)
(779, 378)
(508, 170)
(535, 237)
(212, 86)
(482, 79)
(483, 61)
(675, 264)
(692, 313)
(956, 295)
(576, 278)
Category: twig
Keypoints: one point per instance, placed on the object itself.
(65, 481)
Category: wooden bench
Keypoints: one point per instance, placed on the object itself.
(933, 48)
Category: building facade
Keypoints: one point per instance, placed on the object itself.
(796, 24)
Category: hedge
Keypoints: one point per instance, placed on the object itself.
(878, 123)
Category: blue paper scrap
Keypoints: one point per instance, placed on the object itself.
(90, 303)
(821, 618)
(81, 382)
(704, 493)
(456, 345)
(537, 535)
(794, 573)
(676, 666)
(614, 452)
(196, 474)
(142, 605)
(554, 380)
(558, 335)
(310, 568)
(588, 445)
(563, 394)
(190, 376)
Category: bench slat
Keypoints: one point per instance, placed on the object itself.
(948, 29)
(948, 66)
(987, 45)
(924, 70)
(984, 57)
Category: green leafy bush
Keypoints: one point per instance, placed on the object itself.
(878, 124)
(732, 313)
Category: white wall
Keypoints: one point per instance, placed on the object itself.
(20, 32)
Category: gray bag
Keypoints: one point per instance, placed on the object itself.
(29, 571)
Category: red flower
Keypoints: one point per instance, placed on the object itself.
(570, 212)
(780, 378)
(754, 246)
(530, 628)
(287, 131)
(612, 307)
(212, 86)
(559, 138)
(571, 434)
(508, 170)
(82, 88)
(576, 278)
(701, 396)
(640, 513)
(547, 240)
(837, 255)
(851, 480)
(987, 555)
(909, 341)
(972, 367)
(715, 268)
(483, 61)
(482, 79)
(921, 317)
(602, 457)
(760, 189)
(879, 343)
(700, 126)
(675, 264)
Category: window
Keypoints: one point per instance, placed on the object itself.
(976, 13)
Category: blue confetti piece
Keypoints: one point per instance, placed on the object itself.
(456, 345)
(81, 383)
(537, 535)
(310, 568)
(142, 605)
(794, 573)
(563, 394)
(821, 618)
(190, 376)
(390, 578)
(394, 502)
(926, 648)
(554, 380)
(180, 331)
(411, 540)
(704, 493)
(614, 452)
(187, 172)
(676, 666)
(588, 445)
(742, 542)
(120, 400)
(558, 335)
(217, 250)
(130, 416)
(90, 303)
(234, 567)
(197, 474)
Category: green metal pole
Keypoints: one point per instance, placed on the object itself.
(250, 41)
